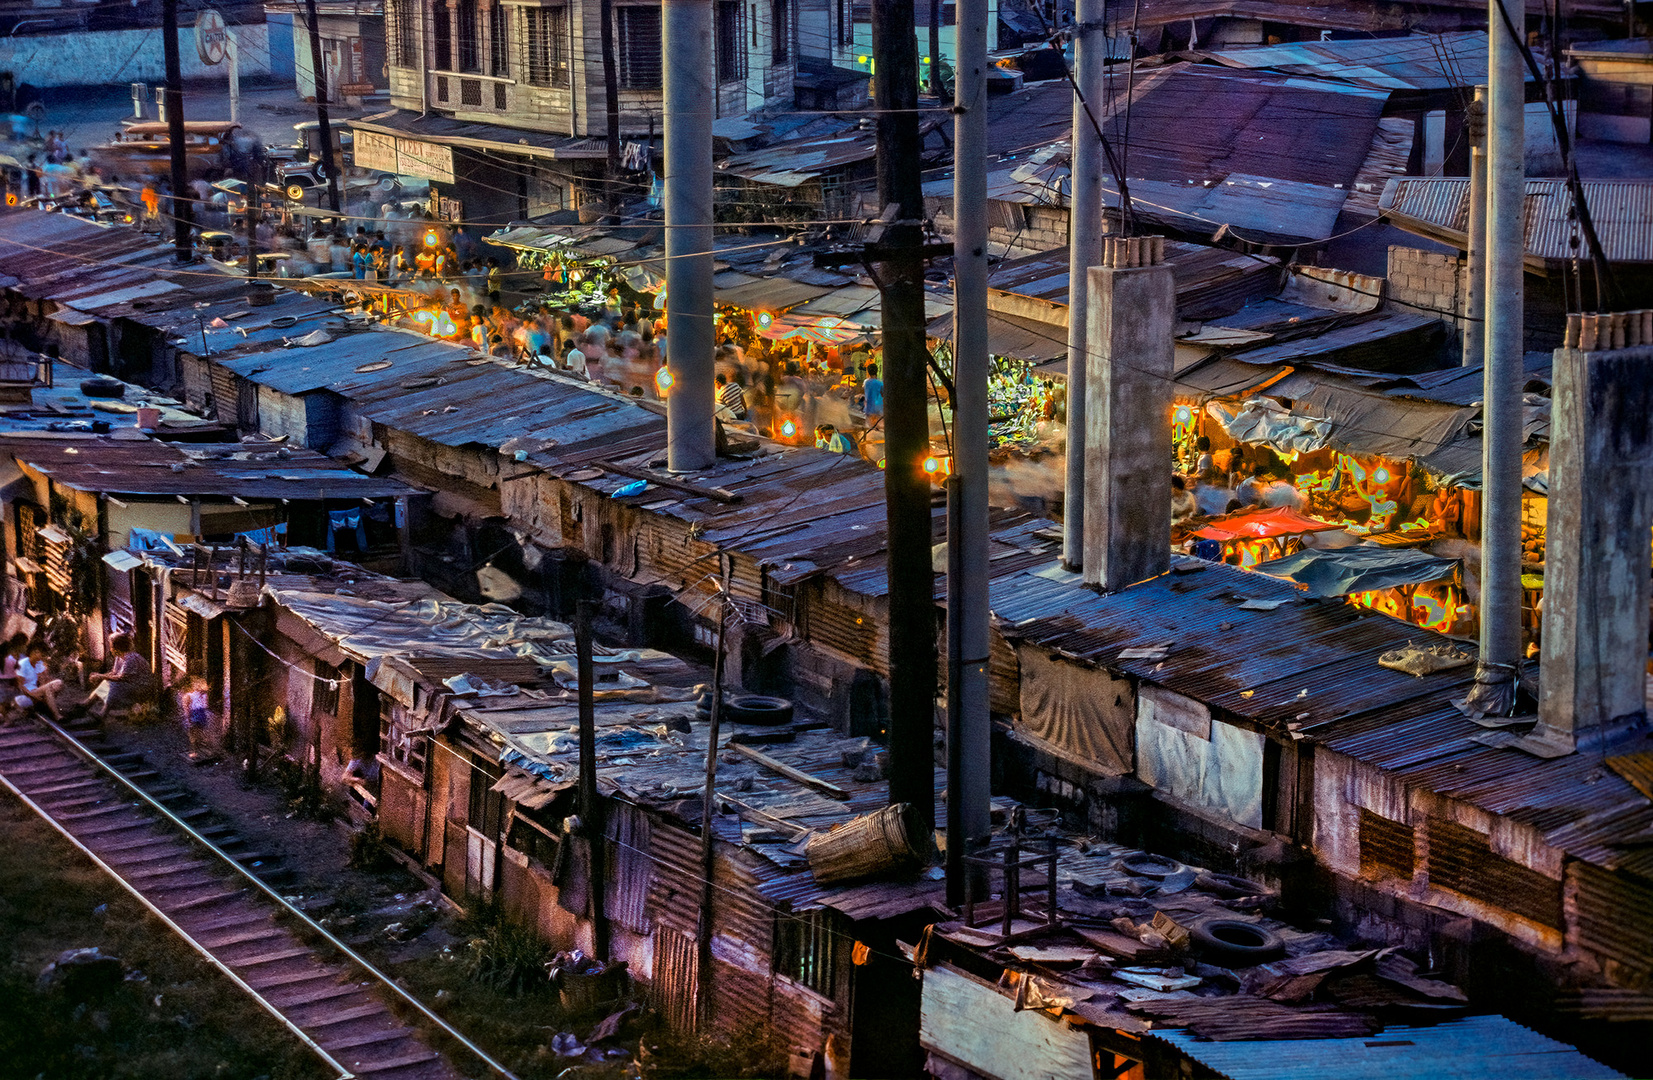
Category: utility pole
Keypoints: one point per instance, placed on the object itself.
(1086, 226)
(611, 104)
(969, 759)
(1501, 441)
(326, 128)
(591, 811)
(708, 835)
(181, 208)
(690, 96)
(253, 179)
(1475, 302)
(906, 412)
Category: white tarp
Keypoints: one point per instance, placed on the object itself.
(429, 626)
(1183, 752)
(1262, 421)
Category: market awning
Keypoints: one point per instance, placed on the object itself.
(1013, 336)
(769, 294)
(1359, 569)
(1255, 524)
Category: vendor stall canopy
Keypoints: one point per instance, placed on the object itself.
(1359, 569)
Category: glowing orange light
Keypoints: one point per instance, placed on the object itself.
(663, 380)
(431, 239)
(789, 429)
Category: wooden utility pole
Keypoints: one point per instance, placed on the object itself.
(611, 105)
(591, 813)
(906, 411)
(708, 835)
(181, 209)
(325, 132)
(935, 46)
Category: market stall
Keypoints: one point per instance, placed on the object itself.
(1405, 582)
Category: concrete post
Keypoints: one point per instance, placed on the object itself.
(686, 31)
(1596, 586)
(1475, 299)
(1127, 436)
(1501, 444)
(1086, 225)
(969, 761)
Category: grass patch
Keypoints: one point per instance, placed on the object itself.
(174, 1018)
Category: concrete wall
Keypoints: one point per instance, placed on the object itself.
(106, 57)
(1429, 279)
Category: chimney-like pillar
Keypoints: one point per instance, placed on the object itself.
(1596, 588)
(1130, 320)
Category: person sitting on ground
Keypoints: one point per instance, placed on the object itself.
(128, 679)
(1183, 504)
(38, 686)
(828, 437)
(731, 398)
(17, 649)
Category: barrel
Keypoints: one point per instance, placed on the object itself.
(880, 843)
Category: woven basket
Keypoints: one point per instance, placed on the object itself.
(879, 843)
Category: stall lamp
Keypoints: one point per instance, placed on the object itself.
(1184, 414)
(789, 429)
(663, 380)
(765, 320)
(932, 465)
(431, 239)
(1380, 474)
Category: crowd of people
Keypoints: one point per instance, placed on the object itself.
(1229, 480)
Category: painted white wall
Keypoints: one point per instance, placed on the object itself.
(107, 57)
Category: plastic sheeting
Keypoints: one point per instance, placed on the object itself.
(428, 627)
(1256, 524)
(1359, 569)
(1221, 769)
(1081, 711)
(1262, 421)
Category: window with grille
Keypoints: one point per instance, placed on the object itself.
(324, 689)
(468, 37)
(1386, 848)
(806, 949)
(441, 34)
(470, 92)
(441, 88)
(499, 40)
(781, 19)
(547, 33)
(501, 101)
(637, 37)
(404, 33)
(731, 34)
(1462, 860)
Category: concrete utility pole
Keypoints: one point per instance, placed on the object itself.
(591, 808)
(1086, 226)
(181, 209)
(906, 412)
(1475, 301)
(969, 760)
(690, 97)
(325, 132)
(1501, 392)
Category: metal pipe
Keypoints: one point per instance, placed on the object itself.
(1475, 288)
(969, 767)
(690, 94)
(1501, 444)
(1086, 226)
(223, 968)
(258, 883)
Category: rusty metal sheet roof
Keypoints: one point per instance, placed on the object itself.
(1417, 62)
(145, 467)
(1621, 209)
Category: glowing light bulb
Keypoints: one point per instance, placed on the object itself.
(765, 320)
(789, 429)
(431, 239)
(931, 465)
(1184, 414)
(663, 379)
(1380, 474)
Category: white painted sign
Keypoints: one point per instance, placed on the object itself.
(405, 157)
(211, 37)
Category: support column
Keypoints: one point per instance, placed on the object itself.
(1494, 692)
(969, 764)
(690, 93)
(1475, 300)
(1086, 226)
(1596, 586)
(181, 208)
(1127, 435)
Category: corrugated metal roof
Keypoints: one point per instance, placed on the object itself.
(1621, 209)
(444, 129)
(1418, 62)
(1474, 1048)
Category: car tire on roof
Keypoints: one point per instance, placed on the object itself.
(757, 709)
(1236, 943)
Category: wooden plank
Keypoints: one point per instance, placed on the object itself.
(971, 1023)
(824, 787)
(722, 495)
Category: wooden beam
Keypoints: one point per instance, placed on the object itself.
(830, 790)
(722, 495)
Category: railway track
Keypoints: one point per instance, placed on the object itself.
(199, 878)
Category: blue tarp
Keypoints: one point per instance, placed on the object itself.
(1359, 569)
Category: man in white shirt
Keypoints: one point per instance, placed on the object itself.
(40, 689)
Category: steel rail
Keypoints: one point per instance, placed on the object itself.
(282, 902)
(223, 968)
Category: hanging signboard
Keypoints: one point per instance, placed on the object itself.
(404, 157)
